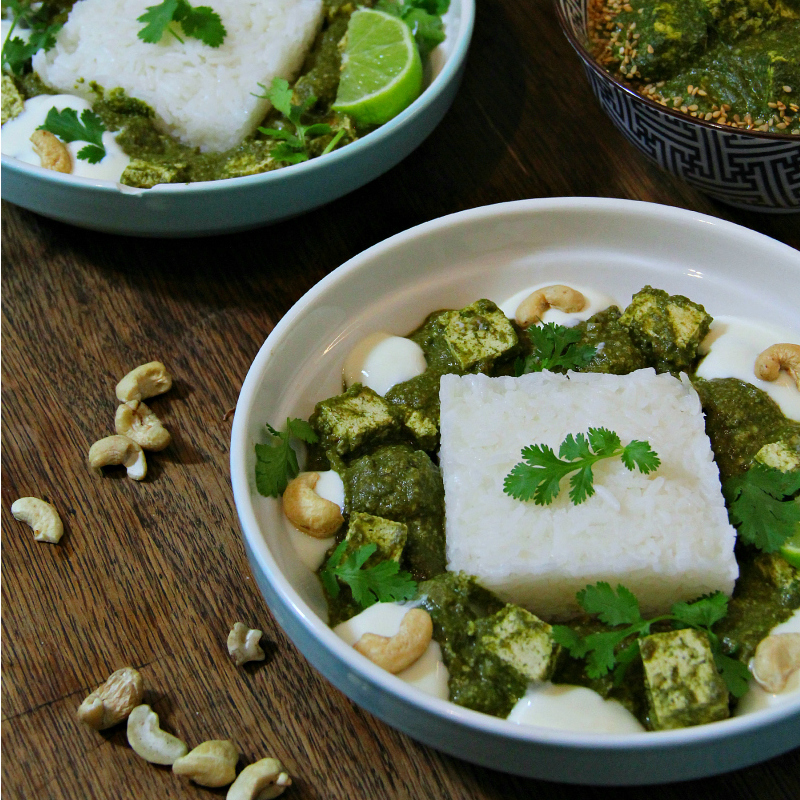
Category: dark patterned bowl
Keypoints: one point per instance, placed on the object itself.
(748, 169)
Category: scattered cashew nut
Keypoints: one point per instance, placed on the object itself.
(41, 516)
(400, 651)
(564, 298)
(211, 763)
(149, 741)
(777, 357)
(145, 381)
(138, 422)
(243, 644)
(118, 449)
(260, 781)
(113, 701)
(52, 152)
(309, 512)
(776, 658)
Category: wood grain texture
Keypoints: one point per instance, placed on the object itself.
(153, 574)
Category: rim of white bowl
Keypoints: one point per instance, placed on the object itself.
(454, 61)
(241, 443)
(589, 60)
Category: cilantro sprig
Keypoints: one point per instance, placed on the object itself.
(199, 22)
(16, 51)
(89, 128)
(555, 348)
(539, 476)
(761, 507)
(424, 17)
(381, 583)
(276, 463)
(294, 147)
(607, 650)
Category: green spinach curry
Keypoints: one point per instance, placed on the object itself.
(735, 62)
(385, 450)
(159, 158)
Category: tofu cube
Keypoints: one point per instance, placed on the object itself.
(778, 572)
(478, 334)
(682, 683)
(357, 417)
(522, 641)
(422, 427)
(667, 328)
(147, 174)
(388, 535)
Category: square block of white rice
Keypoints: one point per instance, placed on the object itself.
(665, 536)
(202, 95)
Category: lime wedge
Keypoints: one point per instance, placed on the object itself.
(381, 68)
(791, 547)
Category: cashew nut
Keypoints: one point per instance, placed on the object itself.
(777, 357)
(243, 644)
(400, 651)
(119, 450)
(211, 763)
(113, 701)
(530, 310)
(309, 512)
(145, 381)
(776, 658)
(139, 422)
(41, 516)
(52, 152)
(260, 781)
(149, 741)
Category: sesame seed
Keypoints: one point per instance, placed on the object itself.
(787, 89)
(650, 49)
(693, 107)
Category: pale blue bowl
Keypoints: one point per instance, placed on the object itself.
(236, 204)
(495, 251)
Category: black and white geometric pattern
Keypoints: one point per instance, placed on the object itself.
(741, 169)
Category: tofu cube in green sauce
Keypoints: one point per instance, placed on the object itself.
(522, 641)
(681, 680)
(479, 334)
(357, 418)
(422, 427)
(667, 328)
(389, 536)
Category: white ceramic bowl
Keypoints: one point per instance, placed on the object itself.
(235, 204)
(495, 251)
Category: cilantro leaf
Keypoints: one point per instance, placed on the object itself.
(294, 145)
(602, 650)
(89, 128)
(16, 51)
(555, 348)
(760, 506)
(380, 583)
(276, 463)
(539, 476)
(201, 23)
(621, 608)
(424, 17)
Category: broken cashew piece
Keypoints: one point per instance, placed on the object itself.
(139, 422)
(211, 763)
(243, 644)
(41, 516)
(260, 781)
(149, 741)
(53, 153)
(309, 512)
(398, 652)
(145, 381)
(564, 298)
(776, 658)
(118, 449)
(113, 701)
(777, 357)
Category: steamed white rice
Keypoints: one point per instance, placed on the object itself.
(201, 95)
(665, 536)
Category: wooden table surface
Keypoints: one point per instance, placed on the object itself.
(153, 574)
